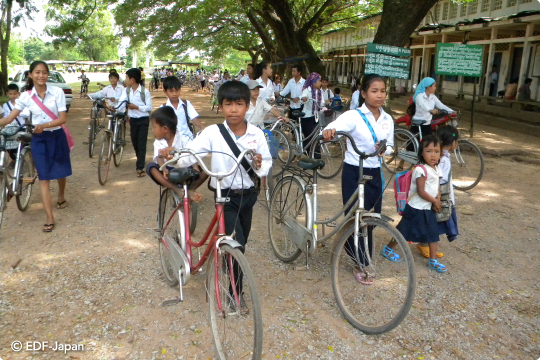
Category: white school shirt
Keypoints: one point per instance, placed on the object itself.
(19, 120)
(54, 100)
(178, 143)
(109, 92)
(244, 79)
(424, 104)
(255, 114)
(182, 126)
(431, 187)
(351, 122)
(135, 98)
(277, 87)
(308, 105)
(267, 91)
(327, 94)
(445, 167)
(355, 100)
(163, 74)
(295, 89)
(210, 139)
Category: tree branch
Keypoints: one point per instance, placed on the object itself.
(311, 22)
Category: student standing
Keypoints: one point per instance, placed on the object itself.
(264, 78)
(112, 91)
(258, 108)
(327, 93)
(294, 87)
(139, 104)
(50, 150)
(13, 95)
(313, 102)
(277, 84)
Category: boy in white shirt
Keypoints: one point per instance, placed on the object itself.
(112, 91)
(13, 94)
(258, 107)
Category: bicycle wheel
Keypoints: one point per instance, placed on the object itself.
(3, 199)
(288, 200)
(104, 161)
(333, 154)
(381, 306)
(91, 136)
(169, 225)
(467, 165)
(234, 306)
(284, 147)
(120, 141)
(27, 177)
(405, 152)
(193, 212)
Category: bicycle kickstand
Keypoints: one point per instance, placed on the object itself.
(307, 260)
(177, 300)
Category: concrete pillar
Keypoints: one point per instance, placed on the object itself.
(526, 54)
(134, 63)
(424, 58)
(491, 56)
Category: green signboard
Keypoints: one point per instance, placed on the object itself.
(459, 59)
(388, 61)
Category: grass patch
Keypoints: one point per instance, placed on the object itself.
(92, 87)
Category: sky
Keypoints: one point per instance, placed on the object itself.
(36, 26)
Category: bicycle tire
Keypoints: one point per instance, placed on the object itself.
(193, 215)
(356, 301)
(92, 137)
(168, 226)
(284, 146)
(28, 172)
(236, 333)
(104, 161)
(288, 195)
(119, 148)
(333, 155)
(3, 202)
(463, 178)
(405, 152)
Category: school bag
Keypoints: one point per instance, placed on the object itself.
(402, 185)
(188, 119)
(143, 94)
(336, 103)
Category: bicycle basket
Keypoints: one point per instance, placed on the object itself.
(273, 143)
(326, 117)
(9, 131)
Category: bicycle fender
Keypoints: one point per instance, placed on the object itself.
(378, 216)
(227, 240)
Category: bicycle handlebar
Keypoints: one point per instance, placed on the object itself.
(378, 150)
(177, 155)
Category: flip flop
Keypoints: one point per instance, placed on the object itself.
(424, 250)
(363, 277)
(437, 266)
(390, 254)
(141, 173)
(62, 205)
(48, 227)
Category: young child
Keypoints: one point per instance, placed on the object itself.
(258, 107)
(139, 106)
(358, 123)
(419, 221)
(337, 103)
(112, 91)
(13, 94)
(355, 98)
(327, 93)
(449, 136)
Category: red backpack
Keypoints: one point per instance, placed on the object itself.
(402, 185)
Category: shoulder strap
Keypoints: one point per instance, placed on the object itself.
(232, 145)
(143, 94)
(45, 109)
(368, 124)
(9, 106)
(184, 105)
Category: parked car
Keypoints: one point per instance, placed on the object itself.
(55, 79)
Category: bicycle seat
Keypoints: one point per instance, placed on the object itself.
(23, 137)
(183, 176)
(310, 164)
(417, 122)
(120, 115)
(298, 113)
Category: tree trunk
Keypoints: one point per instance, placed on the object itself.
(4, 48)
(395, 29)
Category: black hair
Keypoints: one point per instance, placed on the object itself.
(112, 70)
(337, 91)
(140, 68)
(165, 116)
(233, 91)
(134, 74)
(259, 68)
(33, 65)
(514, 80)
(365, 83)
(13, 87)
(447, 134)
(171, 82)
(114, 74)
(325, 79)
(426, 141)
(528, 80)
(298, 67)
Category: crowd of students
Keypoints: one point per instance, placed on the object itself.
(243, 104)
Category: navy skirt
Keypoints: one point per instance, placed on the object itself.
(419, 225)
(449, 227)
(50, 152)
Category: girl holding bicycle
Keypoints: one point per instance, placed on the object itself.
(368, 125)
(50, 150)
(313, 99)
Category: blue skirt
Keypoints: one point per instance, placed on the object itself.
(419, 225)
(50, 152)
(449, 227)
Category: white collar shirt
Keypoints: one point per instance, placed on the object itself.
(54, 100)
(182, 126)
(223, 160)
(135, 98)
(267, 91)
(178, 143)
(110, 92)
(445, 169)
(308, 105)
(278, 87)
(19, 120)
(327, 94)
(431, 186)
(163, 74)
(353, 123)
(256, 113)
(244, 79)
(424, 104)
(295, 89)
(355, 100)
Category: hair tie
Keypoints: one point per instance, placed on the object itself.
(453, 134)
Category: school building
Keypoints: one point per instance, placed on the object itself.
(509, 31)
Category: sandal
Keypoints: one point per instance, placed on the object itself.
(390, 254)
(363, 276)
(141, 173)
(437, 266)
(424, 250)
(48, 227)
(62, 205)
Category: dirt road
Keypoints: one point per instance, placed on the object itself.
(96, 280)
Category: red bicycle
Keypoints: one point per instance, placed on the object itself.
(234, 306)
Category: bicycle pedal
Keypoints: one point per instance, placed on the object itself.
(171, 302)
(301, 268)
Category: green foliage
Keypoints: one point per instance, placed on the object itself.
(33, 48)
(15, 51)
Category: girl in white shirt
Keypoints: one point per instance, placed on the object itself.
(50, 150)
(427, 105)
(264, 77)
(419, 221)
(355, 98)
(313, 102)
(277, 84)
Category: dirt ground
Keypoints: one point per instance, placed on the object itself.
(96, 280)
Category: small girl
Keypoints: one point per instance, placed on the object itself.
(449, 136)
(419, 221)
